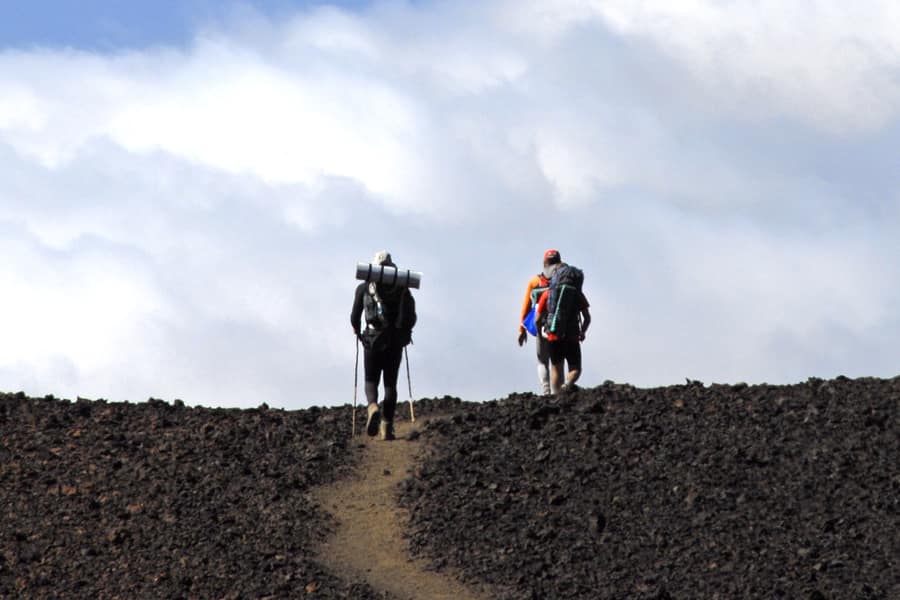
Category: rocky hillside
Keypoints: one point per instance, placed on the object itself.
(150, 500)
(688, 491)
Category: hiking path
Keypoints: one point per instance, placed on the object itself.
(368, 544)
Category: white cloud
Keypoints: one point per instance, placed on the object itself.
(833, 64)
(19, 109)
(184, 223)
(85, 305)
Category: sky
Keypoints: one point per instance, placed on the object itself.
(186, 188)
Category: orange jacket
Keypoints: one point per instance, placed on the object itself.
(536, 281)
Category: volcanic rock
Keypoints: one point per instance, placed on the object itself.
(686, 491)
(151, 500)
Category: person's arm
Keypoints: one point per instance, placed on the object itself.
(526, 302)
(406, 315)
(356, 312)
(526, 308)
(585, 317)
(585, 322)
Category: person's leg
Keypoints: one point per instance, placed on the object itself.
(557, 362)
(386, 429)
(573, 359)
(372, 392)
(556, 376)
(373, 367)
(543, 366)
(393, 358)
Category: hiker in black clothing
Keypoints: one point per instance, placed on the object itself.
(390, 313)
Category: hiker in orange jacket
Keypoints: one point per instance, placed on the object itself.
(537, 285)
(566, 347)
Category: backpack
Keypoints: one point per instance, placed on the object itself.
(373, 307)
(391, 309)
(564, 299)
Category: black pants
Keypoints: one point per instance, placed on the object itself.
(384, 363)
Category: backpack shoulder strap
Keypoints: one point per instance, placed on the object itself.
(536, 294)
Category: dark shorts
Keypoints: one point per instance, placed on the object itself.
(383, 362)
(568, 350)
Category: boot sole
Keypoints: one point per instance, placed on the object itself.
(373, 423)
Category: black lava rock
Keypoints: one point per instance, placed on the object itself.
(687, 491)
(151, 500)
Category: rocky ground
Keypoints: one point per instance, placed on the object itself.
(688, 491)
(151, 500)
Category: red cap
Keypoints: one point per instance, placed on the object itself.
(551, 257)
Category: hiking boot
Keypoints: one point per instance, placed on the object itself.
(373, 420)
(386, 430)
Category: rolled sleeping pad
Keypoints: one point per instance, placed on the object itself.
(388, 275)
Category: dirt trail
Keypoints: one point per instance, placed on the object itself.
(368, 544)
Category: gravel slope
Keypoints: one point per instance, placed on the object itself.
(613, 492)
(687, 491)
(150, 500)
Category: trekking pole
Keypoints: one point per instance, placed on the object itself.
(412, 414)
(355, 380)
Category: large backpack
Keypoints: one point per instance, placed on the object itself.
(564, 299)
(389, 309)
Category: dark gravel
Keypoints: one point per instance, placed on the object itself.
(613, 492)
(152, 500)
(687, 491)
